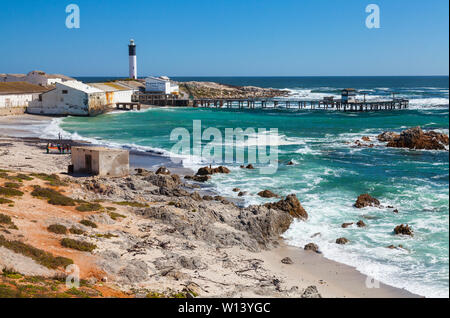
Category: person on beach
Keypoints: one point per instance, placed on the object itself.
(48, 148)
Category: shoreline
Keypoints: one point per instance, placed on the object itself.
(336, 279)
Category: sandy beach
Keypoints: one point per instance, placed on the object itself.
(147, 252)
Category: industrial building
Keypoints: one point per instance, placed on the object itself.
(70, 98)
(161, 85)
(116, 92)
(36, 77)
(16, 96)
(100, 161)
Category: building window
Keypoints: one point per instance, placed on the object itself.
(65, 91)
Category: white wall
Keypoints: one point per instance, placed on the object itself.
(17, 100)
(164, 87)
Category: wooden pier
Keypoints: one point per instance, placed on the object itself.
(303, 104)
(128, 106)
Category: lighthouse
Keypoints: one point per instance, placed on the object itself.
(133, 60)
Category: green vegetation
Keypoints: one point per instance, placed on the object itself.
(88, 223)
(57, 228)
(12, 185)
(52, 179)
(115, 215)
(8, 192)
(78, 245)
(76, 231)
(53, 197)
(42, 257)
(6, 219)
(88, 207)
(133, 204)
(5, 201)
(111, 208)
(107, 236)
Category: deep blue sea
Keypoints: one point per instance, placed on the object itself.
(329, 172)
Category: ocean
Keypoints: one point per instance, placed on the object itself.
(328, 172)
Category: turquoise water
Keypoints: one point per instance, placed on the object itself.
(328, 175)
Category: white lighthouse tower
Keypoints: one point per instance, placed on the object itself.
(133, 60)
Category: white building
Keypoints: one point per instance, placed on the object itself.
(161, 85)
(70, 98)
(36, 77)
(16, 96)
(115, 92)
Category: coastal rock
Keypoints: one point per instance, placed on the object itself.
(365, 138)
(360, 223)
(267, 194)
(142, 172)
(98, 187)
(210, 171)
(311, 247)
(395, 211)
(342, 241)
(250, 166)
(290, 163)
(311, 292)
(291, 205)
(101, 218)
(164, 181)
(196, 196)
(236, 190)
(388, 136)
(208, 198)
(403, 230)
(162, 170)
(365, 200)
(201, 178)
(346, 225)
(242, 193)
(136, 271)
(287, 261)
(415, 138)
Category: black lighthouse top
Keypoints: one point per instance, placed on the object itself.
(132, 48)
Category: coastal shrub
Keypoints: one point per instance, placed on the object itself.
(88, 207)
(5, 201)
(76, 231)
(8, 192)
(52, 179)
(78, 245)
(53, 197)
(107, 235)
(88, 223)
(12, 185)
(5, 219)
(111, 208)
(57, 229)
(42, 257)
(115, 216)
(133, 204)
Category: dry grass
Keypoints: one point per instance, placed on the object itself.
(78, 245)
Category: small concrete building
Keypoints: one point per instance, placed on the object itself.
(16, 96)
(115, 92)
(100, 161)
(70, 98)
(161, 85)
(348, 95)
(36, 77)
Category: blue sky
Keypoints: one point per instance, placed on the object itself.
(226, 37)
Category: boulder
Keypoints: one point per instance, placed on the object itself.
(360, 223)
(311, 247)
(311, 292)
(267, 194)
(342, 241)
(287, 261)
(208, 198)
(387, 136)
(205, 171)
(196, 196)
(201, 178)
(403, 230)
(236, 190)
(365, 138)
(250, 166)
(365, 200)
(416, 138)
(242, 193)
(290, 163)
(162, 170)
(346, 225)
(291, 205)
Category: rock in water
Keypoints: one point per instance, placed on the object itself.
(267, 194)
(205, 171)
(162, 170)
(287, 260)
(365, 200)
(403, 230)
(387, 136)
(346, 225)
(415, 138)
(361, 223)
(311, 247)
(291, 205)
(250, 166)
(342, 241)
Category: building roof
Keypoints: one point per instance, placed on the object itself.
(159, 79)
(20, 88)
(97, 148)
(81, 87)
(111, 86)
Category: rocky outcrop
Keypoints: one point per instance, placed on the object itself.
(291, 205)
(360, 223)
(342, 241)
(287, 261)
(210, 171)
(365, 200)
(346, 225)
(416, 138)
(267, 194)
(162, 170)
(403, 230)
(311, 292)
